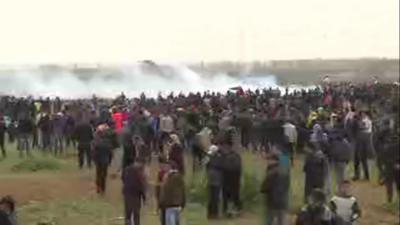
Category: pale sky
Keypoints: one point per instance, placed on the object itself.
(115, 31)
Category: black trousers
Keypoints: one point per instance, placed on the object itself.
(84, 155)
(131, 211)
(2, 146)
(390, 180)
(361, 157)
(101, 177)
(213, 201)
(231, 191)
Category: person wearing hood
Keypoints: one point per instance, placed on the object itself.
(214, 175)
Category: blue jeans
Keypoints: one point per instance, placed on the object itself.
(172, 216)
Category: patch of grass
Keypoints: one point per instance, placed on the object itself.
(34, 165)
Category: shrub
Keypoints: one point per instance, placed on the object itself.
(32, 165)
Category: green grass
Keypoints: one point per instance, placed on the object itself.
(93, 210)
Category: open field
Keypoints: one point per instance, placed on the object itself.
(67, 196)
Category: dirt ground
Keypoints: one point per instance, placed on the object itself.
(77, 184)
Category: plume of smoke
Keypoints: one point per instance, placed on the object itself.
(132, 79)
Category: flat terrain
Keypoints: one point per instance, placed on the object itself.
(67, 196)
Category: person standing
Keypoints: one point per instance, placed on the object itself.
(176, 153)
(391, 167)
(315, 168)
(232, 172)
(275, 187)
(363, 146)
(172, 195)
(341, 153)
(84, 136)
(3, 129)
(103, 144)
(291, 133)
(134, 191)
(214, 175)
(25, 128)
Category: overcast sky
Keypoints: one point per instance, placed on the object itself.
(186, 30)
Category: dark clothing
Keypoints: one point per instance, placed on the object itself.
(214, 173)
(275, 187)
(134, 191)
(315, 169)
(129, 153)
(391, 167)
(172, 193)
(101, 177)
(232, 169)
(84, 154)
(4, 220)
(310, 216)
(84, 135)
(103, 144)
(340, 150)
(176, 155)
(214, 193)
(2, 137)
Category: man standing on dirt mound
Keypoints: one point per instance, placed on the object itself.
(105, 141)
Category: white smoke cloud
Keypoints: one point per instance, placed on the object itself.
(131, 79)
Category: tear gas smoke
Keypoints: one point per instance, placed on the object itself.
(134, 79)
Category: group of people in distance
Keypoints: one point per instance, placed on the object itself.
(331, 126)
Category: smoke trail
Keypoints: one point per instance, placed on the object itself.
(133, 79)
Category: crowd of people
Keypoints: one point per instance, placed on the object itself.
(332, 125)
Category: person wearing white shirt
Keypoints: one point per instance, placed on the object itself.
(363, 146)
(291, 133)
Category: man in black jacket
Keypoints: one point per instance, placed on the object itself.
(84, 136)
(25, 128)
(232, 172)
